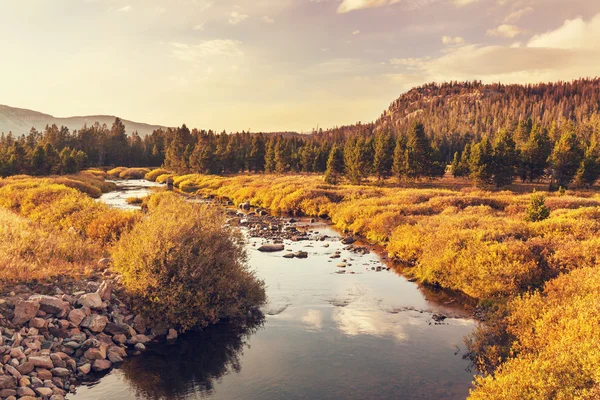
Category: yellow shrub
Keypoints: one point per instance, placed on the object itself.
(134, 173)
(185, 266)
(155, 173)
(115, 172)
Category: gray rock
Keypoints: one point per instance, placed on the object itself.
(105, 290)
(44, 391)
(116, 329)
(60, 372)
(25, 391)
(7, 382)
(85, 369)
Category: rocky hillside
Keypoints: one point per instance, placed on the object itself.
(20, 121)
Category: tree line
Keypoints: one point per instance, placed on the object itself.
(492, 134)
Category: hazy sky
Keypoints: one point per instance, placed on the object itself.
(277, 64)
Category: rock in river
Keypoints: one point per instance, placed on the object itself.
(271, 248)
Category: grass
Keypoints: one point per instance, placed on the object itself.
(52, 227)
(539, 280)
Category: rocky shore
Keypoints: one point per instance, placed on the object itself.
(50, 343)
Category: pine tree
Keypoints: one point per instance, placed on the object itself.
(504, 159)
(480, 165)
(399, 160)
(384, 155)
(535, 154)
(418, 153)
(566, 158)
(335, 165)
(270, 156)
(589, 170)
(256, 158)
(356, 160)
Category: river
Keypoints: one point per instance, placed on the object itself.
(324, 336)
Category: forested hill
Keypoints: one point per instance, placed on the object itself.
(456, 113)
(19, 121)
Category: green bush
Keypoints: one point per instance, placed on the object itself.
(185, 267)
(537, 210)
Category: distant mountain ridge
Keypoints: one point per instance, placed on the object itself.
(19, 121)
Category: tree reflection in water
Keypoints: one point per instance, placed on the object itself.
(193, 364)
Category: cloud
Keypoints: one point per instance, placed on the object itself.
(505, 31)
(125, 9)
(199, 27)
(235, 17)
(208, 48)
(462, 3)
(267, 19)
(517, 15)
(573, 34)
(352, 5)
(453, 40)
(356, 32)
(568, 52)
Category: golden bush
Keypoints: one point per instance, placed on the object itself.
(185, 266)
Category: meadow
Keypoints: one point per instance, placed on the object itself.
(537, 280)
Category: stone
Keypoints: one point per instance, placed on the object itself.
(38, 323)
(116, 329)
(301, 254)
(25, 391)
(271, 248)
(140, 339)
(43, 374)
(101, 365)
(95, 353)
(95, 323)
(25, 310)
(60, 372)
(90, 300)
(85, 369)
(57, 397)
(289, 255)
(105, 290)
(42, 362)
(140, 347)
(140, 324)
(44, 391)
(13, 371)
(7, 382)
(76, 316)
(26, 368)
(348, 240)
(4, 393)
(172, 335)
(120, 339)
(244, 206)
(116, 354)
(50, 304)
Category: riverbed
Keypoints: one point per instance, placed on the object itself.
(358, 332)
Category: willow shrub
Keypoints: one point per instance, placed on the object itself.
(185, 266)
(155, 173)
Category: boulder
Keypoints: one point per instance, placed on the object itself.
(50, 304)
(172, 335)
(8, 393)
(105, 290)
(26, 368)
(25, 391)
(301, 254)
(76, 317)
(44, 391)
(116, 329)
(95, 323)
(7, 382)
(271, 248)
(348, 240)
(38, 323)
(85, 369)
(91, 300)
(25, 311)
(101, 365)
(60, 372)
(42, 362)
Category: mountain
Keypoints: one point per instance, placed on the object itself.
(19, 121)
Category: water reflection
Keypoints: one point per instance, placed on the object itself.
(194, 365)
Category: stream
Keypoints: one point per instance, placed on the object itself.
(363, 334)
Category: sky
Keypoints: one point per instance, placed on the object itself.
(277, 65)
